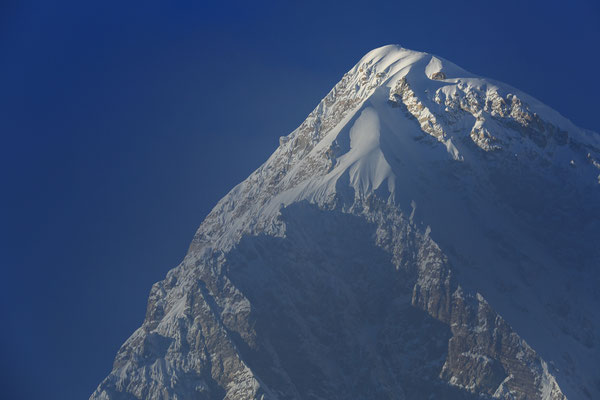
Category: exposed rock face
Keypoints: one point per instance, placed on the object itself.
(438, 76)
(423, 234)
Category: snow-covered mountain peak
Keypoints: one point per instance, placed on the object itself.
(398, 106)
(403, 119)
(447, 98)
(424, 233)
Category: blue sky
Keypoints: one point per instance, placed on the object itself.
(122, 125)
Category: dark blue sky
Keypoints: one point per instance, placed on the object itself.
(122, 125)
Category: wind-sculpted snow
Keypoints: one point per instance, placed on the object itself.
(425, 233)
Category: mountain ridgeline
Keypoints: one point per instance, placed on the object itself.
(424, 234)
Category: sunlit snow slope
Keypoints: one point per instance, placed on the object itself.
(424, 233)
